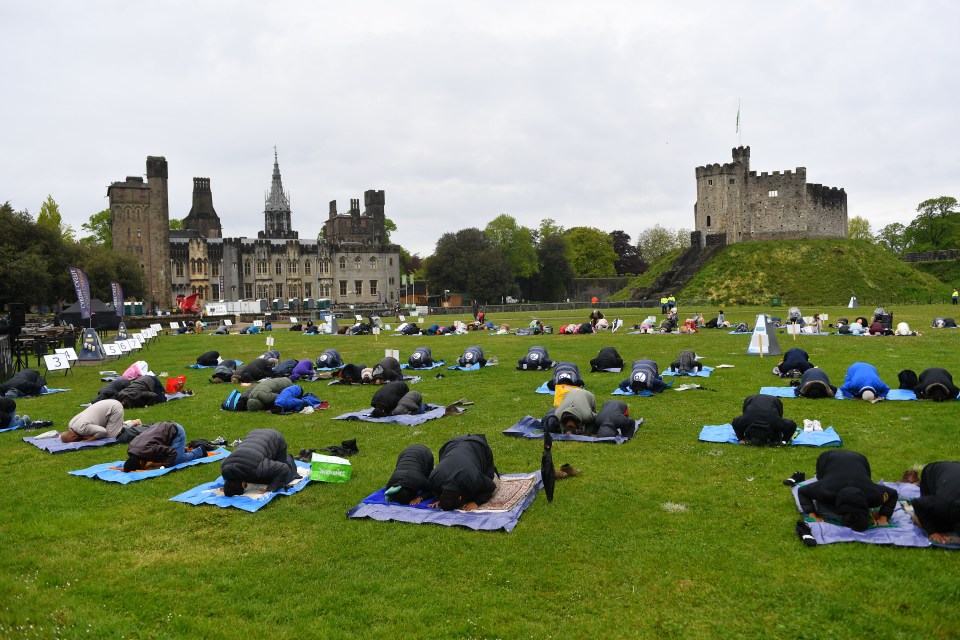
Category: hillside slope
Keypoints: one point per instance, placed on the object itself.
(811, 272)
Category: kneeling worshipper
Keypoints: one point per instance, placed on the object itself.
(421, 358)
(794, 364)
(936, 384)
(465, 476)
(387, 370)
(100, 420)
(862, 381)
(536, 359)
(938, 507)
(330, 359)
(208, 359)
(163, 444)
(565, 373)
(576, 413)
(145, 391)
(23, 384)
(411, 475)
(645, 376)
(844, 486)
(815, 384)
(608, 358)
(261, 458)
(396, 399)
(471, 356)
(762, 421)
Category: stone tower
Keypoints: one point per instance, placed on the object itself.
(140, 218)
(203, 217)
(276, 211)
(734, 204)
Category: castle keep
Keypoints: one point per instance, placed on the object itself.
(350, 262)
(735, 204)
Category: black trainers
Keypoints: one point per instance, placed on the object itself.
(796, 478)
(305, 455)
(806, 535)
(350, 445)
(41, 424)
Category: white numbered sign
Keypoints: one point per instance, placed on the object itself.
(174, 325)
(112, 350)
(123, 345)
(69, 352)
(293, 320)
(270, 341)
(258, 323)
(56, 362)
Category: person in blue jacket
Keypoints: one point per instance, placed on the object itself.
(862, 381)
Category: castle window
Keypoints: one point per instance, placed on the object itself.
(326, 266)
(373, 262)
(391, 281)
(708, 221)
(732, 181)
(343, 262)
(391, 262)
(215, 269)
(248, 290)
(216, 291)
(296, 266)
(279, 289)
(358, 287)
(772, 194)
(307, 290)
(246, 268)
(279, 267)
(356, 262)
(138, 233)
(343, 287)
(178, 268)
(709, 183)
(306, 266)
(373, 287)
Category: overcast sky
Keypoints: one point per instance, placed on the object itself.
(590, 113)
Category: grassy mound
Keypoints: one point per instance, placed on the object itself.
(947, 271)
(812, 272)
(646, 278)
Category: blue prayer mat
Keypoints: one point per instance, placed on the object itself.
(530, 428)
(113, 471)
(212, 493)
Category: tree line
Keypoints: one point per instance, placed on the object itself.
(935, 227)
(507, 259)
(35, 254)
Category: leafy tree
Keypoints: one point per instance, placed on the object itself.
(548, 227)
(176, 224)
(628, 260)
(467, 262)
(555, 270)
(590, 252)
(389, 226)
(858, 228)
(893, 238)
(657, 241)
(50, 218)
(100, 228)
(936, 226)
(515, 243)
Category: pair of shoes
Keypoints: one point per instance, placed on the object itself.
(806, 535)
(305, 455)
(236, 442)
(796, 478)
(41, 424)
(219, 442)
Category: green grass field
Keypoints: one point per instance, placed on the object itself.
(84, 558)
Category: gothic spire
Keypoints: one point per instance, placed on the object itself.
(278, 200)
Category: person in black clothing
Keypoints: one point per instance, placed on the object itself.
(565, 373)
(144, 391)
(421, 358)
(387, 397)
(815, 384)
(110, 390)
(464, 475)
(793, 360)
(411, 475)
(224, 371)
(937, 385)
(536, 359)
(330, 359)
(938, 507)
(387, 370)
(208, 359)
(608, 358)
(762, 421)
(260, 458)
(23, 384)
(257, 369)
(163, 444)
(613, 420)
(844, 486)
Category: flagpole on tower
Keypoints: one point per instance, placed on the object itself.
(739, 133)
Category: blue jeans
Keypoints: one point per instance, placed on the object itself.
(179, 445)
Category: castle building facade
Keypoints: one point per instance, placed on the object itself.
(735, 204)
(349, 262)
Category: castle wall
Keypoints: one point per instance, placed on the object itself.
(747, 206)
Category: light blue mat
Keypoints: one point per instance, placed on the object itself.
(620, 392)
(113, 471)
(724, 434)
(207, 494)
(436, 365)
(703, 373)
(433, 411)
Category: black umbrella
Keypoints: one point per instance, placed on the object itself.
(547, 473)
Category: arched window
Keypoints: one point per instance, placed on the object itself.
(356, 262)
(246, 267)
(295, 266)
(178, 268)
(326, 266)
(373, 262)
(343, 262)
(306, 266)
(193, 267)
(279, 267)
